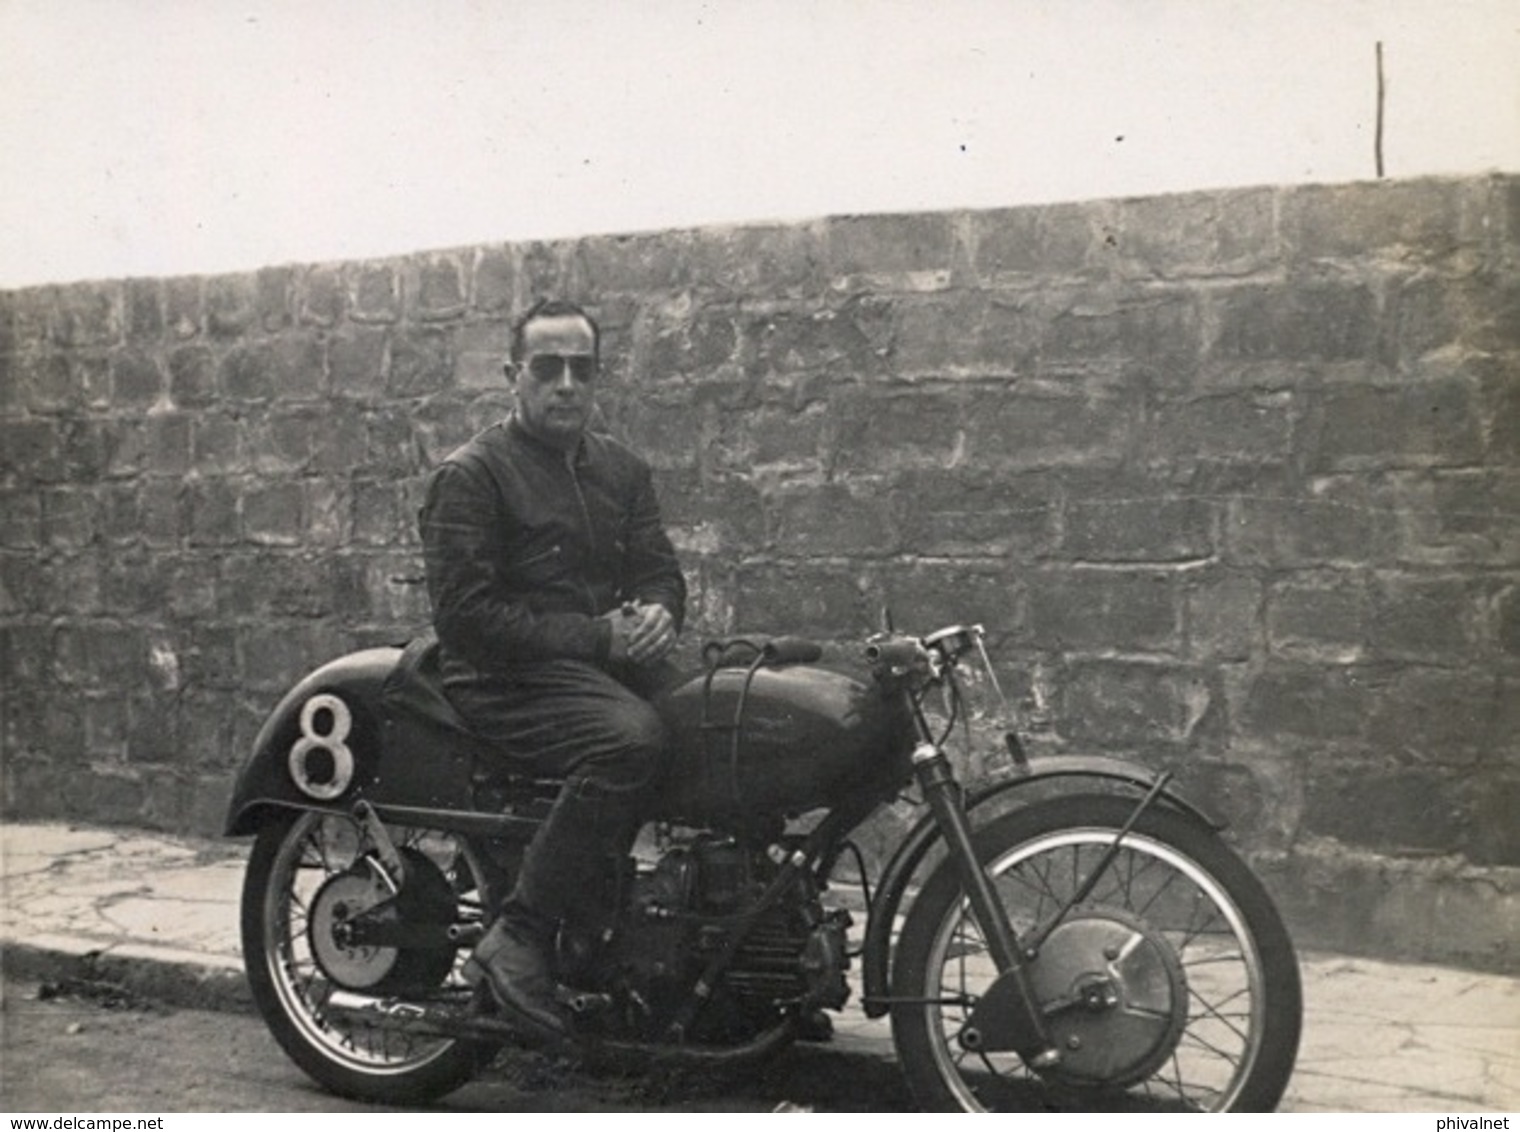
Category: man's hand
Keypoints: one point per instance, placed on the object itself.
(641, 633)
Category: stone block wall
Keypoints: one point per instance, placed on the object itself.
(1232, 478)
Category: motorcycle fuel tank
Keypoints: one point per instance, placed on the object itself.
(779, 741)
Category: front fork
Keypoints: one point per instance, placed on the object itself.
(1008, 1015)
(1018, 1021)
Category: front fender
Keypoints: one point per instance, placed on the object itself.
(1064, 773)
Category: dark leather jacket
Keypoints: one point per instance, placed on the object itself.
(526, 545)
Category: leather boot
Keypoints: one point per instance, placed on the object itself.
(510, 961)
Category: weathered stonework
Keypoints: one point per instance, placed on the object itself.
(1233, 479)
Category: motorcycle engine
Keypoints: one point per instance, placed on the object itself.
(686, 908)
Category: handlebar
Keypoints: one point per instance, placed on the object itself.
(741, 652)
(914, 664)
(921, 659)
(888, 653)
(953, 640)
(896, 652)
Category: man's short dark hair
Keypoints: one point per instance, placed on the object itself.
(551, 308)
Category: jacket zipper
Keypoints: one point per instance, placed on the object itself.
(535, 559)
(580, 497)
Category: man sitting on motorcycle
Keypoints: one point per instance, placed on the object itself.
(556, 597)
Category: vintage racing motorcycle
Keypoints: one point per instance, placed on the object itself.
(1075, 935)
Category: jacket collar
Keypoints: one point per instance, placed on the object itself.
(516, 429)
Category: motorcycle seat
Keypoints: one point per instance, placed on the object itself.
(413, 690)
(415, 687)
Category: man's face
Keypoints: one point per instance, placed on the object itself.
(556, 377)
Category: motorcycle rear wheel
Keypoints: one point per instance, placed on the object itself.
(336, 1034)
(1172, 987)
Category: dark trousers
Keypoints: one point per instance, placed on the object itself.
(571, 718)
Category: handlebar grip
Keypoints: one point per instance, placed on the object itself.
(792, 650)
(896, 652)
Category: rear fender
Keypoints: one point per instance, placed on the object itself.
(350, 730)
(1059, 774)
(320, 747)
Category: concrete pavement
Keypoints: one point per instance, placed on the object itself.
(158, 916)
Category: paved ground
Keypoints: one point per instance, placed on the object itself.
(159, 915)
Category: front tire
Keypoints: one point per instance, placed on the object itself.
(314, 994)
(1172, 987)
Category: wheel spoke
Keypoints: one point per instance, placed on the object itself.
(321, 850)
(1036, 879)
(1163, 931)
(1155, 896)
(1193, 1040)
(1223, 1019)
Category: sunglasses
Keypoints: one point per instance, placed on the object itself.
(547, 368)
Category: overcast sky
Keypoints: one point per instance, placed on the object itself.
(157, 137)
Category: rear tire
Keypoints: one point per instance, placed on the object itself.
(1195, 1002)
(318, 1022)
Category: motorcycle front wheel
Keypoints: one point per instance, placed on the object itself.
(1172, 986)
(325, 999)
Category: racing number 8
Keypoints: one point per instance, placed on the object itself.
(324, 708)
